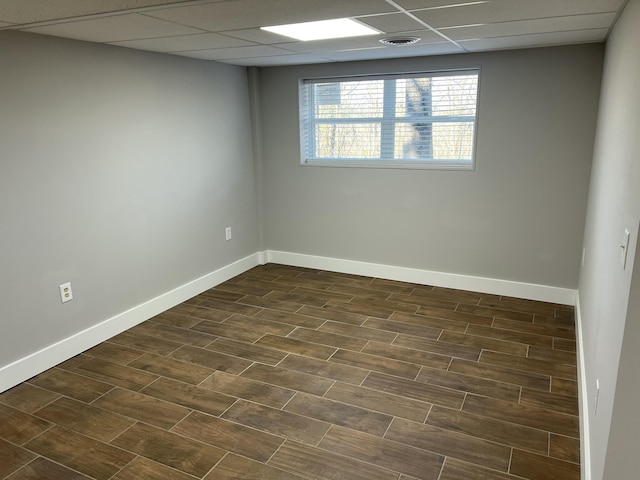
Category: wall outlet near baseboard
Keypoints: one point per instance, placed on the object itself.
(227, 233)
(65, 292)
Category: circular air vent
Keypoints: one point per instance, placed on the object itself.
(399, 41)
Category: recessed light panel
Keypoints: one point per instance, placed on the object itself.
(323, 29)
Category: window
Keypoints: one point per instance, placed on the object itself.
(424, 120)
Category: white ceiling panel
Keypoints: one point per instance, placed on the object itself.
(185, 42)
(512, 10)
(228, 30)
(537, 40)
(391, 22)
(115, 28)
(241, 14)
(31, 11)
(236, 53)
(525, 27)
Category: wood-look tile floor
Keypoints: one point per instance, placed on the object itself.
(291, 373)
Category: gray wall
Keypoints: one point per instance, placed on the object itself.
(519, 216)
(118, 172)
(614, 204)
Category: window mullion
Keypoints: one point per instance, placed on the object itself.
(388, 127)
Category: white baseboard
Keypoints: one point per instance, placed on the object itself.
(583, 399)
(37, 362)
(528, 291)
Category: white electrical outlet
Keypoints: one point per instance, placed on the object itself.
(227, 233)
(584, 252)
(595, 403)
(624, 246)
(65, 292)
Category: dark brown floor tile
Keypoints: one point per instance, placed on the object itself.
(292, 345)
(457, 315)
(223, 305)
(190, 396)
(222, 329)
(288, 379)
(248, 389)
(520, 305)
(176, 334)
(395, 456)
(432, 322)
(501, 374)
(144, 469)
(169, 367)
(243, 289)
(261, 325)
(510, 336)
(484, 342)
(271, 303)
(71, 384)
(85, 419)
(19, 427)
(358, 332)
(199, 312)
(299, 428)
(254, 353)
(27, 398)
(142, 407)
(552, 355)
(378, 401)
(339, 413)
(568, 323)
(299, 319)
(230, 436)
(565, 333)
(169, 449)
(495, 312)
(549, 401)
(376, 363)
(456, 470)
(221, 294)
(523, 415)
(74, 362)
(146, 343)
(210, 359)
(298, 297)
(490, 429)
(393, 286)
(334, 315)
(235, 467)
(315, 463)
(565, 387)
(359, 308)
(406, 328)
(177, 320)
(325, 369)
(435, 346)
(415, 390)
(263, 284)
(88, 456)
(12, 458)
(350, 291)
(114, 353)
(114, 374)
(385, 305)
(448, 443)
(564, 448)
(43, 469)
(409, 355)
(564, 344)
(329, 339)
(538, 467)
(529, 365)
(423, 301)
(468, 383)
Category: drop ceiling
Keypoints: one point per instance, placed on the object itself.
(229, 30)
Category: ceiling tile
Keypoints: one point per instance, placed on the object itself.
(239, 52)
(5, 24)
(242, 14)
(31, 11)
(185, 42)
(115, 28)
(257, 36)
(415, 4)
(524, 27)
(395, 52)
(296, 59)
(391, 22)
(512, 10)
(537, 40)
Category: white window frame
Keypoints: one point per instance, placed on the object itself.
(307, 124)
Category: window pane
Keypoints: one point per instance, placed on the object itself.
(348, 140)
(349, 99)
